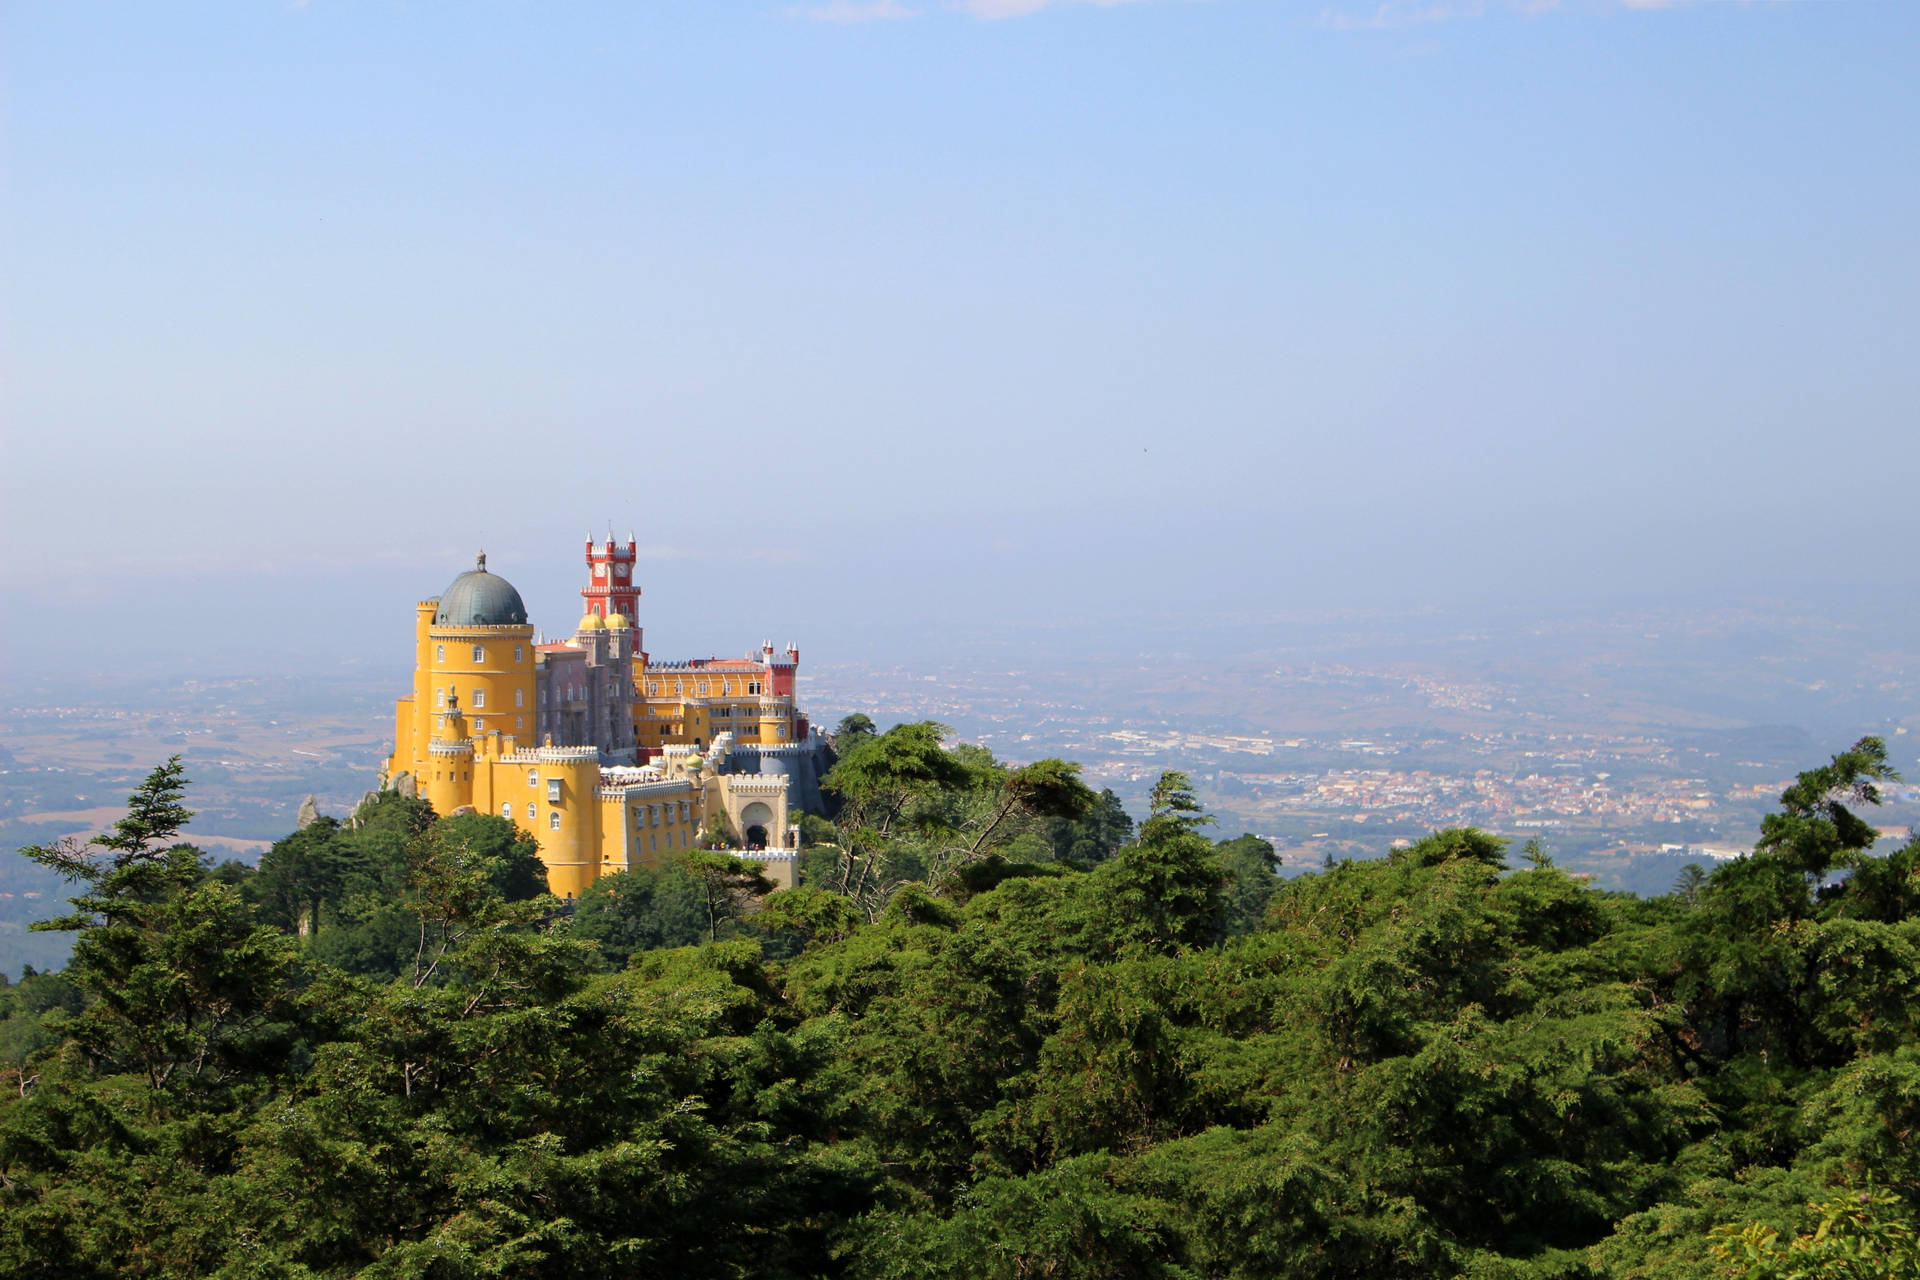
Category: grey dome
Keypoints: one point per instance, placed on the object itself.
(480, 599)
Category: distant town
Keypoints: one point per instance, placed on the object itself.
(1639, 747)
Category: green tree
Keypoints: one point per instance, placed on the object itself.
(1252, 868)
(1165, 890)
(181, 986)
(903, 778)
(645, 908)
(1007, 804)
(1088, 841)
(297, 875)
(857, 725)
(1815, 829)
(729, 887)
(1857, 1235)
(1688, 885)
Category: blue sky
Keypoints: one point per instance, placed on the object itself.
(913, 312)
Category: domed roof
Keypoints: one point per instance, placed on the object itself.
(480, 599)
(592, 622)
(617, 622)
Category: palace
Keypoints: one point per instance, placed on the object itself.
(608, 758)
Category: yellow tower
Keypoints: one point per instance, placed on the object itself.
(473, 654)
(448, 772)
(568, 825)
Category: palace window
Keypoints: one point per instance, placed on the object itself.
(553, 791)
(553, 820)
(439, 697)
(653, 844)
(519, 653)
(726, 688)
(519, 697)
(753, 686)
(439, 653)
(533, 777)
(479, 653)
(479, 698)
(506, 811)
(613, 648)
(479, 723)
(532, 813)
(519, 722)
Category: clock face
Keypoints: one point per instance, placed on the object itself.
(600, 571)
(619, 571)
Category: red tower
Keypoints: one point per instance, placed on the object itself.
(610, 585)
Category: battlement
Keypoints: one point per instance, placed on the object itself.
(657, 788)
(780, 750)
(625, 775)
(553, 755)
(748, 663)
(439, 632)
(461, 750)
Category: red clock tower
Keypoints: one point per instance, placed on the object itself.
(610, 585)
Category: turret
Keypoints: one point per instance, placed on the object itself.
(568, 821)
(449, 765)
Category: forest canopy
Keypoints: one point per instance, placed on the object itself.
(997, 1031)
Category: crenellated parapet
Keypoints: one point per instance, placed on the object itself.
(552, 755)
(464, 631)
(756, 785)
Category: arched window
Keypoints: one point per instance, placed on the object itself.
(519, 653)
(519, 697)
(439, 653)
(506, 811)
(479, 653)
(533, 777)
(553, 820)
